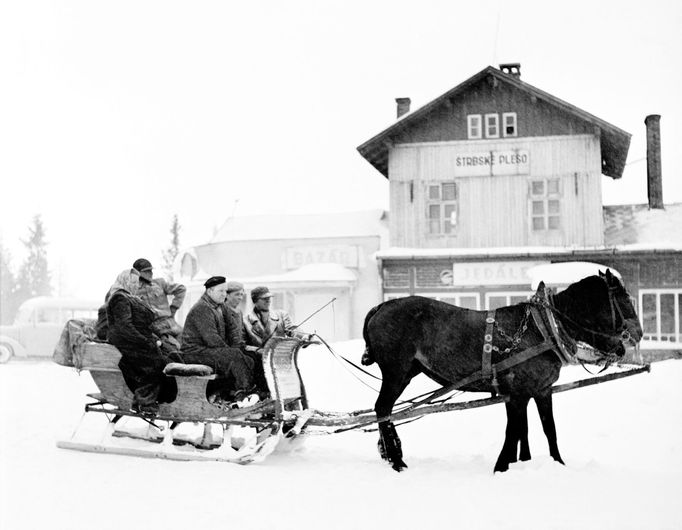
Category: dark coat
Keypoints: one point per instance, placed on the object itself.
(129, 330)
(235, 331)
(204, 327)
(204, 341)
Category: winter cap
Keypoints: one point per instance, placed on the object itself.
(234, 286)
(260, 292)
(142, 265)
(213, 281)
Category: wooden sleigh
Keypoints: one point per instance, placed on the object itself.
(241, 435)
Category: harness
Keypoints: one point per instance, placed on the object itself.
(554, 335)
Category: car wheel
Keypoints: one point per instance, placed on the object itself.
(6, 352)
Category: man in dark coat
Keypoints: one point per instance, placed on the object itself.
(204, 342)
(235, 330)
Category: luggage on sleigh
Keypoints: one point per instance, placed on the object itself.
(191, 427)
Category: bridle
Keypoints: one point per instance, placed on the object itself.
(615, 308)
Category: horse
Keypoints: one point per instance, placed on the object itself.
(506, 351)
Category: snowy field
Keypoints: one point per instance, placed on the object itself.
(622, 443)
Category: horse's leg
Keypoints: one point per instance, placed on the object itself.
(544, 404)
(517, 424)
(392, 385)
(524, 450)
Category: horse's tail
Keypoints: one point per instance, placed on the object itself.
(367, 357)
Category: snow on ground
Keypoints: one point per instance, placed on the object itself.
(621, 442)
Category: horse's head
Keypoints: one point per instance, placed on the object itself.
(609, 320)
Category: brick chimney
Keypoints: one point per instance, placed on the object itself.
(654, 177)
(403, 106)
(511, 69)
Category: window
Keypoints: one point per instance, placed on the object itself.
(466, 300)
(474, 128)
(502, 299)
(509, 124)
(660, 314)
(492, 126)
(441, 208)
(545, 210)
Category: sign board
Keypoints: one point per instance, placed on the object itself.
(493, 273)
(346, 255)
(511, 162)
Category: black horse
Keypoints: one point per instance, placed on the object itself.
(408, 336)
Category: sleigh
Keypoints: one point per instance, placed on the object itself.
(216, 432)
(242, 435)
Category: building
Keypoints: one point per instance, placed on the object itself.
(496, 178)
(305, 260)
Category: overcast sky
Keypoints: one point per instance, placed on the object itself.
(116, 115)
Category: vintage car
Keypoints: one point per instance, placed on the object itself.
(39, 322)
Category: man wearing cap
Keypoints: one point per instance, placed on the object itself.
(204, 342)
(235, 330)
(155, 292)
(262, 323)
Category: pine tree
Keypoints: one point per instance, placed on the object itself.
(8, 288)
(173, 250)
(34, 277)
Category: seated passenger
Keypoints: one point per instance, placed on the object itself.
(235, 330)
(204, 342)
(262, 323)
(129, 329)
(155, 292)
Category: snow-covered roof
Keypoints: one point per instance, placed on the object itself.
(637, 225)
(564, 273)
(327, 274)
(304, 226)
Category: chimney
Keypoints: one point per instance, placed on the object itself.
(653, 161)
(403, 106)
(511, 69)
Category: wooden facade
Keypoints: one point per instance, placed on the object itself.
(495, 210)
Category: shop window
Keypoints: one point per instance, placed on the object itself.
(502, 299)
(441, 208)
(509, 124)
(492, 126)
(545, 204)
(660, 314)
(466, 300)
(474, 127)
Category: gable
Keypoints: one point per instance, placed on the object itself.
(492, 91)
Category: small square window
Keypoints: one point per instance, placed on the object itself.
(474, 127)
(538, 207)
(509, 124)
(492, 128)
(449, 191)
(553, 222)
(553, 186)
(538, 223)
(434, 192)
(538, 187)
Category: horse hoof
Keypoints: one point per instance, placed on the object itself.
(501, 468)
(399, 466)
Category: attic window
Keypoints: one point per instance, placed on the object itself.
(509, 124)
(492, 126)
(474, 127)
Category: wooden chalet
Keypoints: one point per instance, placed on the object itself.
(496, 178)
